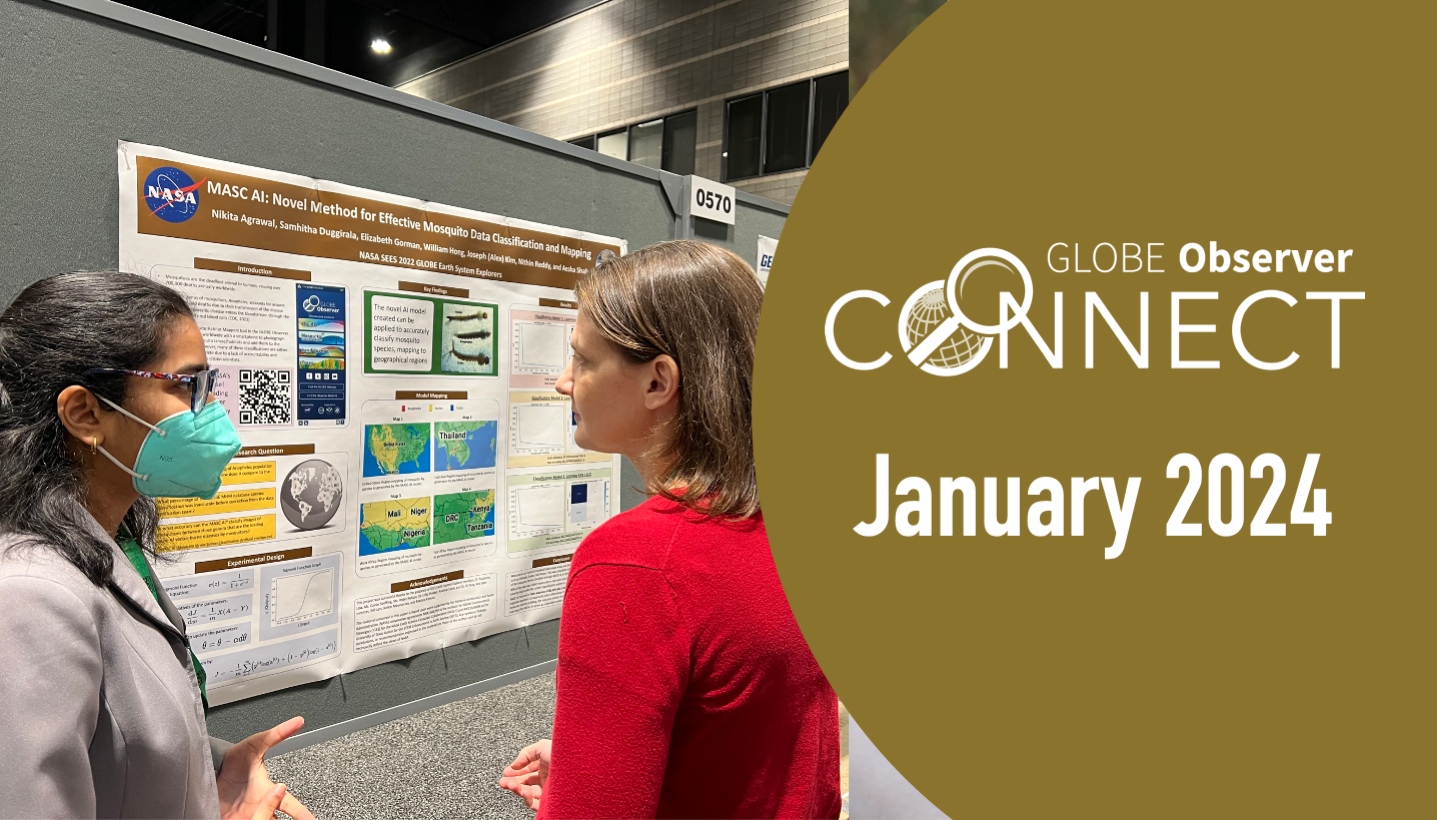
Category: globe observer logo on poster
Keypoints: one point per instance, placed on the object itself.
(327, 306)
(171, 194)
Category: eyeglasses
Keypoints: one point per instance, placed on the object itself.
(200, 383)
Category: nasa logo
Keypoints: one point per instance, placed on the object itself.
(171, 194)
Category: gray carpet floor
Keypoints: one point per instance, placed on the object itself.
(442, 763)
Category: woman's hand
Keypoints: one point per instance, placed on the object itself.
(245, 788)
(528, 774)
(271, 803)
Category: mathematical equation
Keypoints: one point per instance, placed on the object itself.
(227, 608)
(210, 583)
(263, 660)
(222, 637)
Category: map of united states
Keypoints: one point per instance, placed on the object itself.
(395, 449)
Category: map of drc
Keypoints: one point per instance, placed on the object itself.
(462, 516)
(386, 526)
(465, 445)
(395, 449)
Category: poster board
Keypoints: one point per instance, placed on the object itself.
(767, 247)
(409, 477)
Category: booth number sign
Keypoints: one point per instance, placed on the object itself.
(712, 200)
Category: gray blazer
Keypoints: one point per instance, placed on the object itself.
(99, 703)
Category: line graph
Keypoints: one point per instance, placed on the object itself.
(301, 597)
(541, 346)
(540, 426)
(541, 507)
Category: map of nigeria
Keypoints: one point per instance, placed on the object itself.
(385, 526)
(465, 445)
(395, 449)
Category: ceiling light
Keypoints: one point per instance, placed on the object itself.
(381, 46)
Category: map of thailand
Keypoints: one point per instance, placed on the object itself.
(465, 445)
(462, 516)
(385, 526)
(395, 449)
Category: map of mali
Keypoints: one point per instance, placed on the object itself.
(393, 525)
(399, 448)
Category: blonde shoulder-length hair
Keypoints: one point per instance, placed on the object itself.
(699, 304)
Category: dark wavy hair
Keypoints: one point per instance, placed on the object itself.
(54, 331)
(698, 303)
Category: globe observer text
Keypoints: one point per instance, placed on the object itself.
(1194, 258)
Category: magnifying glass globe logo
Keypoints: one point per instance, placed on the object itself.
(935, 333)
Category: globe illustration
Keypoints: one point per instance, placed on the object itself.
(310, 494)
(928, 313)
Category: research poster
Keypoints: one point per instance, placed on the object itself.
(767, 247)
(409, 477)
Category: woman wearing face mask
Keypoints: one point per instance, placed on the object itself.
(685, 688)
(105, 405)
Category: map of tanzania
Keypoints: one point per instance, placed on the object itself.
(395, 449)
(462, 516)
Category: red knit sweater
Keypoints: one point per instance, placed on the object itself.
(685, 688)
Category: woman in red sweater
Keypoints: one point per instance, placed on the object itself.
(685, 688)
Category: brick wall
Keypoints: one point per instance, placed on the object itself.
(628, 61)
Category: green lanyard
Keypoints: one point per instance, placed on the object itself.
(137, 558)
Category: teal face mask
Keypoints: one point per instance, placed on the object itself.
(184, 455)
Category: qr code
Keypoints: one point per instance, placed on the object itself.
(264, 397)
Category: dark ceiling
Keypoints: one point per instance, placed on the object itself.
(424, 35)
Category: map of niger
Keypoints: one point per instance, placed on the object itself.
(385, 526)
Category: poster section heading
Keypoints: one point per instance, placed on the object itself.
(187, 201)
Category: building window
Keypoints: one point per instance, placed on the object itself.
(785, 132)
(666, 143)
(615, 144)
(680, 136)
(742, 148)
(646, 143)
(830, 97)
(781, 129)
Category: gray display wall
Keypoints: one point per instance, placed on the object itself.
(78, 76)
